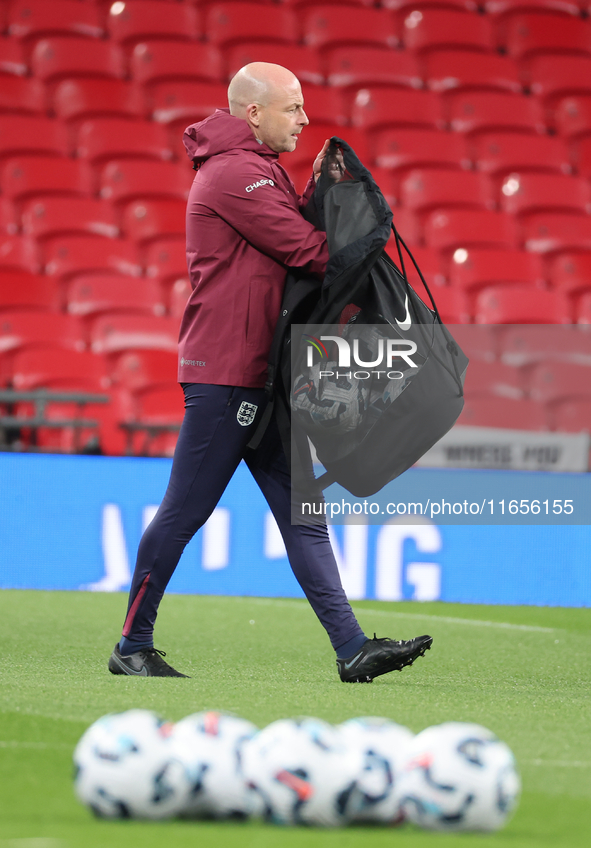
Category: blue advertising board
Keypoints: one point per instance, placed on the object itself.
(74, 522)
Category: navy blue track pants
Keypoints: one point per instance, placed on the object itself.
(212, 441)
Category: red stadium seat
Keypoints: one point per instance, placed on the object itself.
(573, 416)
(428, 29)
(527, 345)
(31, 134)
(496, 379)
(229, 23)
(303, 61)
(70, 255)
(505, 413)
(428, 260)
(409, 228)
(329, 26)
(12, 57)
(9, 217)
(23, 177)
(128, 179)
(94, 294)
(129, 23)
(179, 294)
(572, 116)
(507, 8)
(478, 342)
(157, 407)
(325, 104)
(528, 34)
(77, 99)
(19, 253)
(146, 220)
(116, 333)
(547, 232)
(523, 193)
(57, 368)
(521, 305)
(502, 152)
(583, 310)
(186, 102)
(56, 58)
(407, 148)
(552, 381)
(139, 370)
(22, 95)
(551, 77)
(570, 271)
(19, 290)
(409, 5)
(477, 111)
(155, 61)
(427, 189)
(582, 156)
(112, 138)
(374, 108)
(446, 70)
(35, 18)
(26, 328)
(359, 66)
(166, 258)
(460, 228)
(473, 268)
(453, 305)
(52, 216)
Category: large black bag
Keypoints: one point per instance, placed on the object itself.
(360, 365)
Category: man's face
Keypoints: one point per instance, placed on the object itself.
(282, 119)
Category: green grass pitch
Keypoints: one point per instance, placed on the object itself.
(523, 672)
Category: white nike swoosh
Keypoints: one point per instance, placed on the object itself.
(353, 661)
(405, 325)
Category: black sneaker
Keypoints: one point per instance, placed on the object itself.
(145, 663)
(379, 656)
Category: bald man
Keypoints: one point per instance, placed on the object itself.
(244, 230)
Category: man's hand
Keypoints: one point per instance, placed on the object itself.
(317, 166)
(336, 167)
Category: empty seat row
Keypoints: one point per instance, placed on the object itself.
(317, 24)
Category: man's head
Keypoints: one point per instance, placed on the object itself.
(269, 98)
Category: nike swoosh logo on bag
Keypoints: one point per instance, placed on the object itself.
(405, 325)
(353, 661)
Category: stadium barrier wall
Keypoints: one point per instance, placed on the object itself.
(74, 523)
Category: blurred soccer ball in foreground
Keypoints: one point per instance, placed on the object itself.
(458, 776)
(210, 744)
(383, 745)
(304, 772)
(125, 768)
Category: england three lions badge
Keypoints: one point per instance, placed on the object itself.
(246, 413)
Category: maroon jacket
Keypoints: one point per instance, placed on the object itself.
(244, 229)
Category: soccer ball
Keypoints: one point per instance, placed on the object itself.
(458, 776)
(383, 744)
(125, 768)
(210, 744)
(303, 771)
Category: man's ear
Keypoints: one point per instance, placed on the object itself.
(253, 115)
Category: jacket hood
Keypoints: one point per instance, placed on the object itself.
(221, 133)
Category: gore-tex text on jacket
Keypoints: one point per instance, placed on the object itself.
(244, 229)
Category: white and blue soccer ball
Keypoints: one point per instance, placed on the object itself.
(304, 772)
(125, 768)
(211, 744)
(383, 745)
(458, 776)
